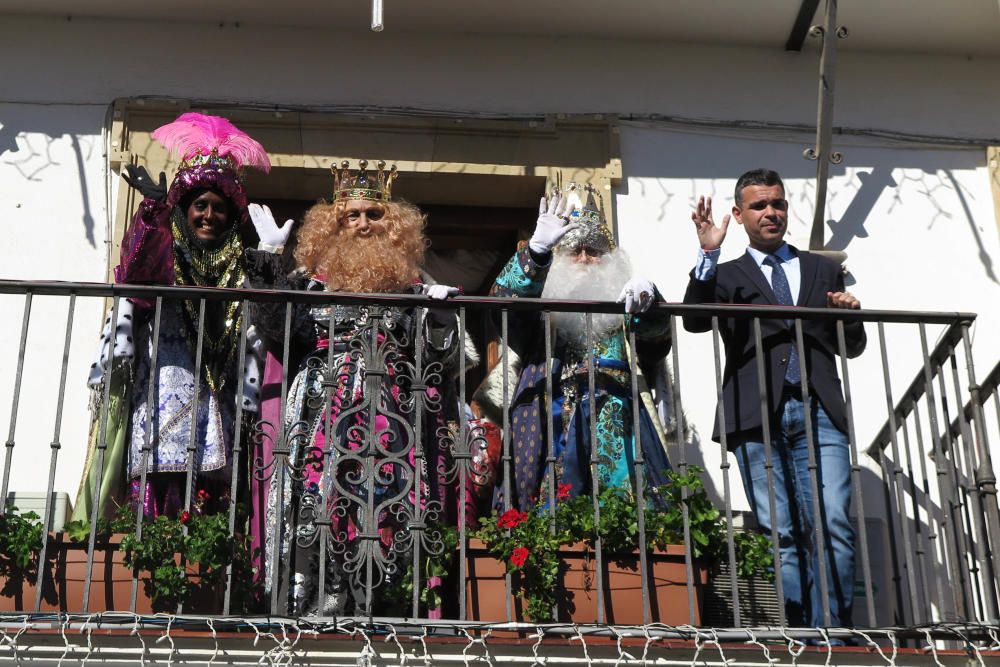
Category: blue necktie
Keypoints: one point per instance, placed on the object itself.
(779, 283)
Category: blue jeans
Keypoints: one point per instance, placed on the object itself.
(793, 502)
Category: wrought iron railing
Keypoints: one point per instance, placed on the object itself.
(378, 514)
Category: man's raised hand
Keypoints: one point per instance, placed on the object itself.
(709, 236)
(552, 224)
(272, 237)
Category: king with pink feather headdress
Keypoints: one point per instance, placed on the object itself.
(160, 248)
(213, 151)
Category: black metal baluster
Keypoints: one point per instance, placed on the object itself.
(595, 486)
(327, 486)
(147, 443)
(920, 600)
(550, 458)
(640, 477)
(419, 396)
(15, 402)
(897, 474)
(950, 490)
(193, 440)
(55, 446)
(866, 567)
(971, 509)
(464, 444)
(986, 486)
(102, 446)
(238, 445)
(725, 466)
(507, 458)
(819, 530)
(765, 424)
(280, 461)
(682, 464)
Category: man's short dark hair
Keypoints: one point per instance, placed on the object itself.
(767, 177)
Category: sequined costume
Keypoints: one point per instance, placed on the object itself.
(344, 486)
(570, 403)
(159, 248)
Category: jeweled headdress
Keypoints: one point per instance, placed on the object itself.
(203, 140)
(592, 230)
(362, 185)
(212, 152)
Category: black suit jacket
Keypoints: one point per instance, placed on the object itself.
(741, 281)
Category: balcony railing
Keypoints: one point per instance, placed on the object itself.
(927, 476)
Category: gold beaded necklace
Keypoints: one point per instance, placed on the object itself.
(195, 265)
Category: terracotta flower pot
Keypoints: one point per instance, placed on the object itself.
(579, 598)
(110, 583)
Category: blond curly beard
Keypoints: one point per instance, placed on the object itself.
(385, 260)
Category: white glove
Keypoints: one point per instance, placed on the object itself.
(637, 294)
(272, 237)
(440, 292)
(553, 223)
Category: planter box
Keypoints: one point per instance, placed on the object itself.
(110, 583)
(578, 596)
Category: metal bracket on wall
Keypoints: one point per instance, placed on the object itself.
(822, 152)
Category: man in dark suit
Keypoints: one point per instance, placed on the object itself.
(771, 272)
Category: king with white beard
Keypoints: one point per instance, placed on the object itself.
(572, 256)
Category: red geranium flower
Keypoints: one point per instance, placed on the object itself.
(512, 518)
(185, 516)
(203, 495)
(519, 556)
(563, 492)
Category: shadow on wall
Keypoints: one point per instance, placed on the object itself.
(920, 174)
(33, 140)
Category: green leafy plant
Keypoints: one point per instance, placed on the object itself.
(528, 542)
(122, 522)
(179, 556)
(436, 568)
(20, 543)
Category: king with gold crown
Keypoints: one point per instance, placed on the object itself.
(364, 422)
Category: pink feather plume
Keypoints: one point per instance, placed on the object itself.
(193, 131)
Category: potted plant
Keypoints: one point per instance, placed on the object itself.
(179, 560)
(549, 553)
(20, 542)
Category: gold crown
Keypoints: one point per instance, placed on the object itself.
(592, 230)
(362, 185)
(211, 159)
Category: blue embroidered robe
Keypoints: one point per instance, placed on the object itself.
(570, 405)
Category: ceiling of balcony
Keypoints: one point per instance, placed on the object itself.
(965, 28)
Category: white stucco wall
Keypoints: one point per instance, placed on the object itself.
(916, 220)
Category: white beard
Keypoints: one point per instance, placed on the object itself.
(602, 281)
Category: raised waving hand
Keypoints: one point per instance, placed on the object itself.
(709, 236)
(272, 237)
(552, 224)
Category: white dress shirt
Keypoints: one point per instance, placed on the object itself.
(707, 261)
